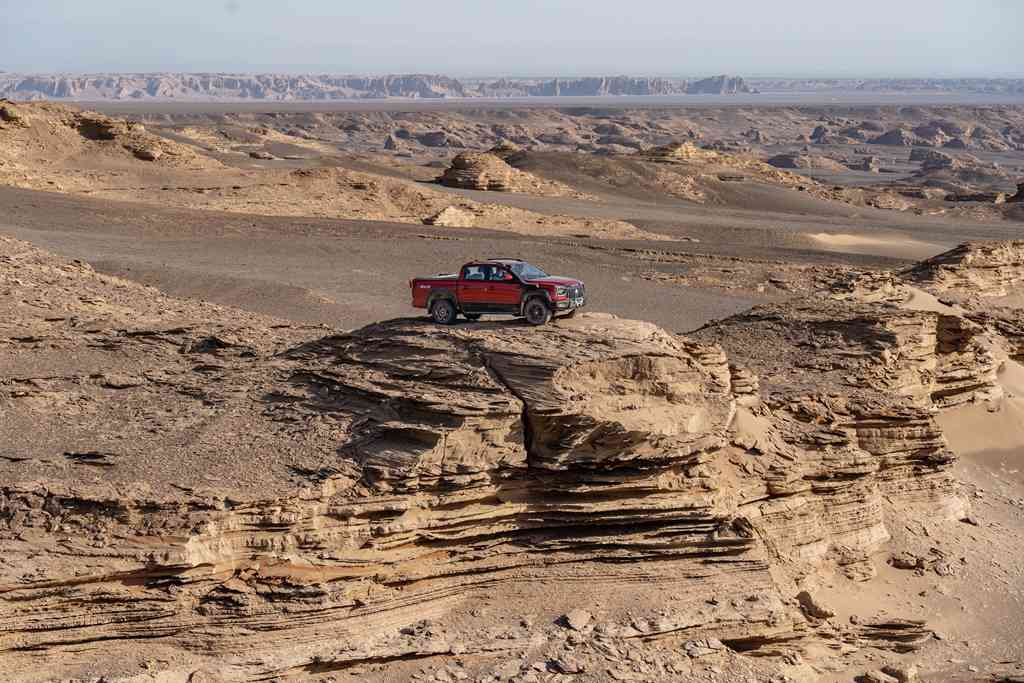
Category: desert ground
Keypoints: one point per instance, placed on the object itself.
(781, 443)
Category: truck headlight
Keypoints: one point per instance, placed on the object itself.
(561, 291)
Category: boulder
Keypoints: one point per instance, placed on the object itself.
(452, 217)
(904, 673)
(10, 113)
(147, 152)
(577, 619)
(812, 607)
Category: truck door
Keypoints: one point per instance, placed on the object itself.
(505, 291)
(473, 287)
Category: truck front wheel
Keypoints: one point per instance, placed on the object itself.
(537, 311)
(443, 312)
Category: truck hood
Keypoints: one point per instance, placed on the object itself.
(556, 280)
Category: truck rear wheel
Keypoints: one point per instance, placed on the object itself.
(537, 311)
(443, 312)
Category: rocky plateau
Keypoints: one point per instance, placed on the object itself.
(256, 500)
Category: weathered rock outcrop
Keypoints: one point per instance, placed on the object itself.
(987, 269)
(932, 159)
(705, 163)
(898, 137)
(56, 132)
(793, 160)
(476, 171)
(489, 171)
(261, 500)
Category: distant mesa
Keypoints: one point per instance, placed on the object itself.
(719, 85)
(313, 87)
(582, 87)
(327, 87)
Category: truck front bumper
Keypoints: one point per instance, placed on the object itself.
(570, 304)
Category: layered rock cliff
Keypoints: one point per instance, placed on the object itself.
(255, 499)
(986, 269)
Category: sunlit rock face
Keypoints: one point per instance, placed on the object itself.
(175, 468)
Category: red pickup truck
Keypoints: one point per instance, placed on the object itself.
(500, 285)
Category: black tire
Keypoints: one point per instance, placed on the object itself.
(443, 312)
(472, 316)
(536, 311)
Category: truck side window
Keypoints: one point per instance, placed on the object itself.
(500, 275)
(474, 273)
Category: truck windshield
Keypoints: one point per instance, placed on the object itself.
(524, 271)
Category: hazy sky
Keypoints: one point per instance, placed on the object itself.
(519, 37)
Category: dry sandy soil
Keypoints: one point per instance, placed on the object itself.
(781, 445)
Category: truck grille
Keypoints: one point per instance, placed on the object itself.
(574, 291)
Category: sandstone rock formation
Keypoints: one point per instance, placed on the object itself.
(932, 159)
(793, 160)
(38, 137)
(489, 171)
(479, 172)
(986, 269)
(898, 137)
(385, 474)
(701, 164)
(452, 217)
(401, 471)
